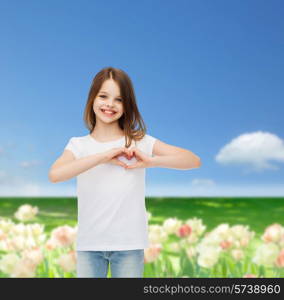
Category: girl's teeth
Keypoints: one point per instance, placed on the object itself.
(108, 112)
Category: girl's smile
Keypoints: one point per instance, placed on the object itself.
(108, 112)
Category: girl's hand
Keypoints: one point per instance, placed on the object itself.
(143, 160)
(113, 154)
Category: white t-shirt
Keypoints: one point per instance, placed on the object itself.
(111, 200)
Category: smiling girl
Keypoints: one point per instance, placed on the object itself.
(109, 164)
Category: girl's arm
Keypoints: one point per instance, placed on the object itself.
(169, 156)
(184, 161)
(66, 166)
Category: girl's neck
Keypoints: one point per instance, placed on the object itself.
(104, 131)
(106, 134)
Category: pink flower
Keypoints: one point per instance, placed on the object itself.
(50, 244)
(33, 256)
(184, 231)
(273, 233)
(63, 236)
(244, 241)
(151, 253)
(68, 261)
(280, 259)
(249, 276)
(3, 235)
(225, 244)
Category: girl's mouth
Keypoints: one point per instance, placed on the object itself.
(108, 113)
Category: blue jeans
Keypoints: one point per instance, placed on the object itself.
(123, 263)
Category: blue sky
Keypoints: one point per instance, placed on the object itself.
(208, 77)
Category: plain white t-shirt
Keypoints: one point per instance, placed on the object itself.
(111, 200)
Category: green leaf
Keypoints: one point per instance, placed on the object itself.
(224, 268)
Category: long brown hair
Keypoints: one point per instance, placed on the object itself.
(131, 117)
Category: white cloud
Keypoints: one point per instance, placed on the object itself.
(196, 188)
(254, 150)
(9, 178)
(28, 190)
(221, 190)
(37, 190)
(202, 182)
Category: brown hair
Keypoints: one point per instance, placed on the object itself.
(131, 117)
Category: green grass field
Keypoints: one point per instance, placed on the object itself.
(258, 213)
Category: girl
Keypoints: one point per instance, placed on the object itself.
(110, 164)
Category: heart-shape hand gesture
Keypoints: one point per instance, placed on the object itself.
(123, 156)
(142, 160)
(112, 156)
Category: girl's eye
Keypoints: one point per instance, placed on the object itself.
(105, 96)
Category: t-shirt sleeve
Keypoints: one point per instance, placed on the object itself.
(73, 147)
(150, 141)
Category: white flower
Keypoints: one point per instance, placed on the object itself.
(266, 254)
(18, 242)
(26, 212)
(68, 261)
(157, 234)
(19, 229)
(6, 225)
(24, 268)
(237, 254)
(281, 242)
(196, 225)
(3, 235)
(273, 233)
(219, 236)
(209, 256)
(63, 236)
(7, 245)
(35, 255)
(223, 231)
(8, 262)
(192, 238)
(51, 244)
(152, 252)
(209, 248)
(36, 229)
(241, 235)
(171, 225)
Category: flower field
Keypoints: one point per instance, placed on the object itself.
(178, 248)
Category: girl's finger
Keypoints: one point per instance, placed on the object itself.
(136, 152)
(132, 166)
(120, 163)
(125, 152)
(128, 153)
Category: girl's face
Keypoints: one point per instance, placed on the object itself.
(108, 98)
